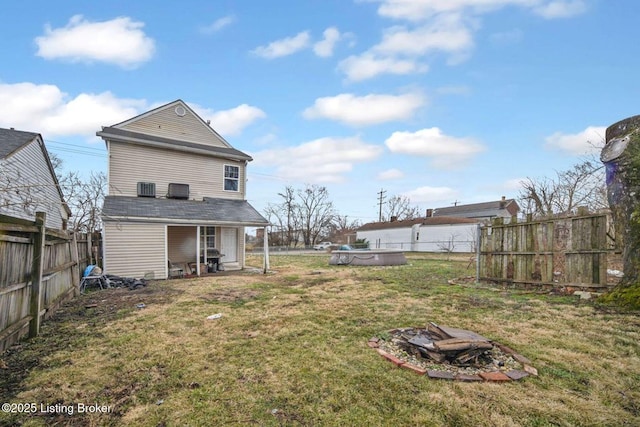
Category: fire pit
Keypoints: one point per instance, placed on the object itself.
(449, 353)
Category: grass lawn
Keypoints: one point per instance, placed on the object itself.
(291, 349)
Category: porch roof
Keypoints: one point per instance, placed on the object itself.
(207, 211)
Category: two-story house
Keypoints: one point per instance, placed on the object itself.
(28, 182)
(176, 195)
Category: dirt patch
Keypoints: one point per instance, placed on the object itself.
(62, 330)
(230, 295)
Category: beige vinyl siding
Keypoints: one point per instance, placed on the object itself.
(134, 249)
(130, 164)
(166, 123)
(27, 171)
(181, 244)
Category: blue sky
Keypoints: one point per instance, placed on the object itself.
(437, 100)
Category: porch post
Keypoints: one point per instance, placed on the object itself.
(198, 250)
(266, 250)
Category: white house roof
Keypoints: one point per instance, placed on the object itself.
(442, 220)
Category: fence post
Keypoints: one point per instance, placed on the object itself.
(478, 244)
(36, 274)
(75, 270)
(89, 244)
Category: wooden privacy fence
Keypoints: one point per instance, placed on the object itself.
(564, 251)
(39, 268)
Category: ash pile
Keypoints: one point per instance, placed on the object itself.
(443, 344)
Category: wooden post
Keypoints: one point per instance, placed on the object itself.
(75, 270)
(36, 274)
(478, 241)
(266, 250)
(90, 250)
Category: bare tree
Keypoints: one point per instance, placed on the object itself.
(449, 245)
(85, 198)
(343, 223)
(316, 212)
(284, 215)
(400, 207)
(307, 213)
(582, 185)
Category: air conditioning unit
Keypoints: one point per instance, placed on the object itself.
(178, 191)
(146, 189)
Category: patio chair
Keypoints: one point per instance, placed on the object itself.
(92, 275)
(174, 270)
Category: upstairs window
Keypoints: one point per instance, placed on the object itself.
(231, 178)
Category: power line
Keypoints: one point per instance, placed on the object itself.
(84, 147)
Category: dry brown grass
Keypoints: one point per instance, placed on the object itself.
(290, 349)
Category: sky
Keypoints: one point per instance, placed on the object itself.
(440, 101)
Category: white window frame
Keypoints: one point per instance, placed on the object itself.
(225, 178)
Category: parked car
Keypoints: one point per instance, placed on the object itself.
(323, 246)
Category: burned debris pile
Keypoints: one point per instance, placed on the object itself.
(441, 343)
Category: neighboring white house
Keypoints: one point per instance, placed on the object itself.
(431, 234)
(28, 183)
(176, 195)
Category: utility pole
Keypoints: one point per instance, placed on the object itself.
(381, 194)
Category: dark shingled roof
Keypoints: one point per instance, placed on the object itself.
(11, 140)
(441, 220)
(141, 138)
(479, 210)
(210, 210)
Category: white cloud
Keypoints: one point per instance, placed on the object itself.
(589, 141)
(445, 33)
(365, 110)
(561, 9)
(417, 10)
(446, 152)
(324, 48)
(390, 174)
(284, 47)
(322, 160)
(369, 65)
(232, 121)
(120, 41)
(47, 110)
(428, 194)
(218, 24)
(401, 48)
(513, 184)
(445, 26)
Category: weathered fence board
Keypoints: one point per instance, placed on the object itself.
(30, 291)
(567, 251)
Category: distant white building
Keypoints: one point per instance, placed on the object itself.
(431, 234)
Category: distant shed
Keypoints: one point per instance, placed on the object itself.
(431, 234)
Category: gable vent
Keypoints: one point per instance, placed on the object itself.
(146, 189)
(178, 191)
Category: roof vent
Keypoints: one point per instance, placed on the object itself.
(146, 189)
(178, 191)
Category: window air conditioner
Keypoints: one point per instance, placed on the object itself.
(178, 191)
(146, 189)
